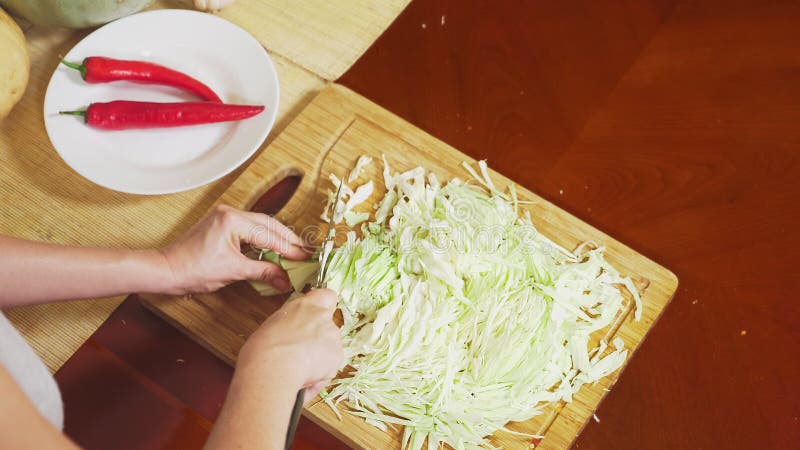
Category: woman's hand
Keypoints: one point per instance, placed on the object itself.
(296, 347)
(205, 259)
(299, 340)
(209, 256)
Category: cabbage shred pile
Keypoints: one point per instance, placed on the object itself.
(460, 317)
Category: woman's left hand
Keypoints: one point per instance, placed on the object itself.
(208, 256)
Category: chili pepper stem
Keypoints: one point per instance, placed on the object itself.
(75, 113)
(79, 67)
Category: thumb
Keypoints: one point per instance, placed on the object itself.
(325, 298)
(313, 390)
(267, 272)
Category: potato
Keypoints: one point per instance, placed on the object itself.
(14, 64)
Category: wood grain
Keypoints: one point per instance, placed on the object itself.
(45, 200)
(321, 36)
(513, 82)
(173, 388)
(138, 383)
(683, 116)
(49, 202)
(673, 127)
(328, 137)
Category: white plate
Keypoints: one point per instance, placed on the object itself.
(160, 161)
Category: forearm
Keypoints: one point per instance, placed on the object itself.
(298, 346)
(33, 272)
(257, 409)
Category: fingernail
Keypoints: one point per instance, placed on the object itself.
(280, 283)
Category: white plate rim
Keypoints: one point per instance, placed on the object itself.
(272, 110)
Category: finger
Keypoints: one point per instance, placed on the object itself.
(267, 272)
(275, 226)
(325, 298)
(262, 231)
(265, 237)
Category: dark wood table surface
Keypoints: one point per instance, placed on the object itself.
(672, 126)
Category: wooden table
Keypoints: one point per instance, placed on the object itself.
(671, 126)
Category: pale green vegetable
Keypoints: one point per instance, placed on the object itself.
(349, 198)
(363, 161)
(300, 273)
(460, 317)
(352, 218)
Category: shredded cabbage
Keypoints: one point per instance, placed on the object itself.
(460, 317)
(349, 198)
(300, 273)
(362, 162)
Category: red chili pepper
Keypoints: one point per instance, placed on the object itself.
(125, 114)
(99, 69)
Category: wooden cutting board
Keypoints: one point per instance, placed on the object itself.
(329, 136)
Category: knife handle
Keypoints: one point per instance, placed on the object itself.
(296, 410)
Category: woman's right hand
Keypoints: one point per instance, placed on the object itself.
(297, 347)
(300, 341)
